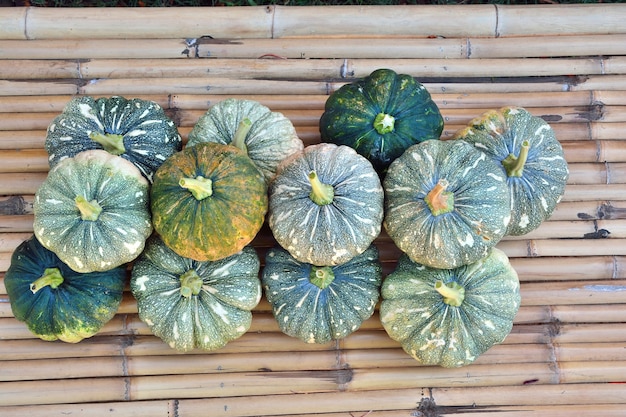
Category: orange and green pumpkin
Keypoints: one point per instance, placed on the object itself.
(208, 201)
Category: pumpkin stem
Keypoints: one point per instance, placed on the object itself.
(51, 277)
(89, 210)
(453, 294)
(439, 200)
(384, 123)
(199, 187)
(113, 144)
(239, 140)
(321, 276)
(321, 194)
(190, 283)
(515, 165)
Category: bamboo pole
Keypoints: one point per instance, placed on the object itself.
(563, 247)
(516, 20)
(91, 23)
(304, 69)
(20, 183)
(532, 394)
(160, 408)
(585, 192)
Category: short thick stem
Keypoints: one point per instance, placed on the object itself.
(384, 123)
(239, 139)
(321, 193)
(453, 294)
(321, 276)
(199, 187)
(89, 210)
(190, 283)
(113, 144)
(514, 165)
(51, 278)
(439, 200)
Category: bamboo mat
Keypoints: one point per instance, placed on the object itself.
(566, 354)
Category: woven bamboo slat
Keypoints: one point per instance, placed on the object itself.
(293, 48)
(565, 354)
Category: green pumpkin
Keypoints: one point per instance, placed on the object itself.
(267, 137)
(318, 304)
(137, 130)
(531, 157)
(92, 210)
(191, 304)
(208, 201)
(380, 116)
(325, 204)
(446, 203)
(56, 302)
(449, 317)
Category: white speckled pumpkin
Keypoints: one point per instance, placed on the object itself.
(526, 149)
(449, 317)
(446, 203)
(325, 204)
(191, 304)
(268, 137)
(93, 211)
(318, 304)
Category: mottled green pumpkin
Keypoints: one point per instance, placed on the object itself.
(325, 204)
(531, 157)
(56, 302)
(208, 201)
(380, 116)
(449, 317)
(135, 129)
(446, 203)
(318, 304)
(267, 136)
(195, 305)
(92, 210)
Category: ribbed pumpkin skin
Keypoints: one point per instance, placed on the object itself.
(328, 234)
(314, 315)
(118, 235)
(218, 314)
(219, 225)
(481, 210)
(534, 194)
(350, 113)
(272, 136)
(149, 135)
(75, 310)
(414, 314)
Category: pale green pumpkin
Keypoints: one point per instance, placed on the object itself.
(325, 204)
(447, 204)
(93, 211)
(529, 154)
(449, 317)
(195, 305)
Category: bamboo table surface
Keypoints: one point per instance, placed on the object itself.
(566, 354)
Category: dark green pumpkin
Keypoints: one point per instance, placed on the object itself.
(446, 203)
(380, 116)
(449, 317)
(135, 129)
(208, 201)
(318, 304)
(531, 157)
(57, 302)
